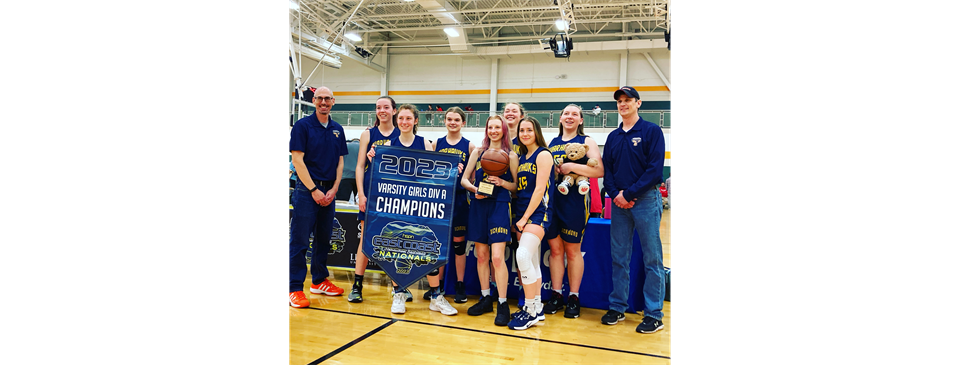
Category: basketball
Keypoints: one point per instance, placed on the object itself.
(494, 162)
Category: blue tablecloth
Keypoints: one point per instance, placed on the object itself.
(595, 287)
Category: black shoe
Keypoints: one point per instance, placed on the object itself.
(427, 295)
(573, 307)
(356, 295)
(503, 314)
(612, 317)
(485, 305)
(461, 296)
(553, 304)
(650, 325)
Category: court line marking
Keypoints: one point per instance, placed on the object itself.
(354, 342)
(492, 333)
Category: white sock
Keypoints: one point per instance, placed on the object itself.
(531, 306)
(503, 300)
(577, 294)
(485, 292)
(559, 291)
(537, 297)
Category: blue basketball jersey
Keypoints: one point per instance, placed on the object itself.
(376, 139)
(558, 149)
(461, 149)
(572, 204)
(418, 143)
(527, 181)
(499, 194)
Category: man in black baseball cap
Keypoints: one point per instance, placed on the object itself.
(632, 168)
(629, 91)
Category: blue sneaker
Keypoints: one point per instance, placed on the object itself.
(522, 320)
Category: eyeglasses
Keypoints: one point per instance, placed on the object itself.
(325, 99)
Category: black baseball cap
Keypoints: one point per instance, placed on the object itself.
(631, 92)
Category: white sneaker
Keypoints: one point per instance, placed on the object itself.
(440, 304)
(398, 307)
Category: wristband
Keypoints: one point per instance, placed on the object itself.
(315, 187)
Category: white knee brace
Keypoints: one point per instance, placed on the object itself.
(527, 262)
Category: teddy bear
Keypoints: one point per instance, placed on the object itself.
(576, 153)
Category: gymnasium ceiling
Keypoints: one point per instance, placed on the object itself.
(417, 26)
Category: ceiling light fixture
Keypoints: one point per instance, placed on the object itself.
(451, 32)
(353, 37)
(561, 24)
(294, 5)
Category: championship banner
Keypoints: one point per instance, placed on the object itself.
(409, 212)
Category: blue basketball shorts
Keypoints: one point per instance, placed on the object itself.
(489, 221)
(541, 216)
(569, 224)
(461, 214)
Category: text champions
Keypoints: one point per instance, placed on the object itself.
(410, 207)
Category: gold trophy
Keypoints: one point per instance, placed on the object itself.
(485, 187)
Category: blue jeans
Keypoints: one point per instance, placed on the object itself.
(308, 216)
(645, 217)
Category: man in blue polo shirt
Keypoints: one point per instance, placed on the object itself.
(633, 167)
(318, 145)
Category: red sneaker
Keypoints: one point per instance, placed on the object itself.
(298, 300)
(326, 287)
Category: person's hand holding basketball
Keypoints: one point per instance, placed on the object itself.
(493, 163)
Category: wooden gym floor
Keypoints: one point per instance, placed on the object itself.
(334, 331)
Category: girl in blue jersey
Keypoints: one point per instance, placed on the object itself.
(455, 143)
(407, 120)
(570, 215)
(489, 226)
(534, 184)
(383, 130)
(512, 113)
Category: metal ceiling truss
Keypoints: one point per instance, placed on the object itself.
(385, 24)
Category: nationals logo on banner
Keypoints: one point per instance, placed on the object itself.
(409, 211)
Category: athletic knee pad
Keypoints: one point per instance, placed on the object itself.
(435, 272)
(460, 248)
(524, 259)
(528, 258)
